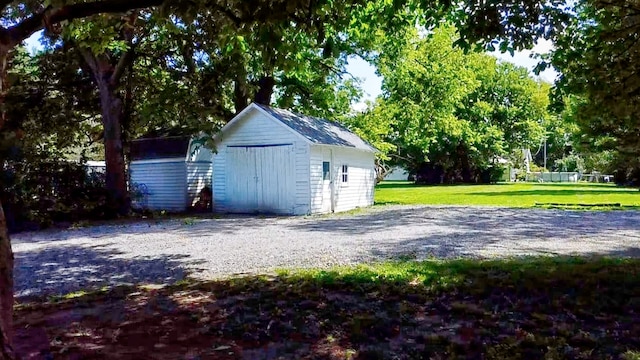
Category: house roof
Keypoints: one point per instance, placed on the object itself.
(317, 130)
(159, 147)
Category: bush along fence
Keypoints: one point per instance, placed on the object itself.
(37, 195)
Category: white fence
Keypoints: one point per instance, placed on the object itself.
(566, 177)
(552, 176)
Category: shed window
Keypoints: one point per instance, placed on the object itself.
(326, 173)
(345, 173)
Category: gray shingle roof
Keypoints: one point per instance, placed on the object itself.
(319, 131)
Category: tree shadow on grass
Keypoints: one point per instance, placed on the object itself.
(408, 184)
(550, 192)
(525, 308)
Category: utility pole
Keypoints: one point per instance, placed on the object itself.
(545, 153)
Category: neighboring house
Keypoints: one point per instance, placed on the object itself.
(95, 167)
(397, 173)
(274, 161)
(169, 172)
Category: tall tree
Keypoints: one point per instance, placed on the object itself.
(598, 56)
(20, 20)
(455, 114)
(108, 61)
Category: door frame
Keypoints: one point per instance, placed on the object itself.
(332, 183)
(328, 157)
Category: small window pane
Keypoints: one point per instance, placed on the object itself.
(345, 173)
(325, 171)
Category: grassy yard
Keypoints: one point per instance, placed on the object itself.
(536, 308)
(510, 195)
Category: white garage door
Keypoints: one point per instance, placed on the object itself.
(261, 179)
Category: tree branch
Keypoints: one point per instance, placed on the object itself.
(27, 27)
(125, 60)
(90, 60)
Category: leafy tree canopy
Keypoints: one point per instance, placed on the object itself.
(457, 112)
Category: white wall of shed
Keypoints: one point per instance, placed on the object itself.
(165, 181)
(258, 130)
(199, 170)
(316, 158)
(198, 177)
(359, 189)
(197, 152)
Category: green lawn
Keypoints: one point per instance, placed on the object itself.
(511, 195)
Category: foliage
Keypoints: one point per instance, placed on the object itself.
(39, 193)
(51, 107)
(597, 54)
(451, 116)
(506, 195)
(374, 126)
(495, 309)
(570, 163)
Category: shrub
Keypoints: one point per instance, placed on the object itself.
(570, 163)
(41, 193)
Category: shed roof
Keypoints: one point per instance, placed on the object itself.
(159, 147)
(317, 130)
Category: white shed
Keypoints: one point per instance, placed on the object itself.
(170, 173)
(274, 161)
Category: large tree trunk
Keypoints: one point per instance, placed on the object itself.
(106, 78)
(6, 254)
(240, 96)
(6, 291)
(112, 116)
(265, 90)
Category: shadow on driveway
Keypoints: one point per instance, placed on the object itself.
(66, 269)
(485, 220)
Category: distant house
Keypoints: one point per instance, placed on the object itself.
(397, 173)
(274, 161)
(169, 171)
(95, 167)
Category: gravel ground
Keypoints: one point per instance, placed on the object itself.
(55, 262)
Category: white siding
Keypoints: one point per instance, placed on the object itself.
(219, 180)
(315, 165)
(357, 192)
(263, 181)
(303, 204)
(198, 176)
(165, 182)
(199, 171)
(259, 130)
(198, 152)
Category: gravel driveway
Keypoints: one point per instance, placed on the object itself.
(53, 262)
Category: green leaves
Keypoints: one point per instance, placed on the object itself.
(101, 34)
(598, 56)
(444, 106)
